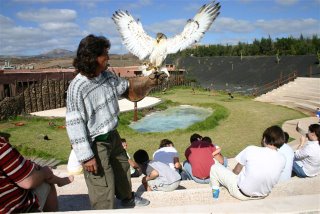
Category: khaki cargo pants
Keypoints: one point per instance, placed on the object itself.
(113, 177)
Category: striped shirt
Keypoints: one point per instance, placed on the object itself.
(92, 110)
(13, 169)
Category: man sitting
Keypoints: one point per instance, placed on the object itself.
(258, 168)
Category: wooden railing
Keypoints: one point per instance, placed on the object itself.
(275, 84)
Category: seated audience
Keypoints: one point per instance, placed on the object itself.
(135, 171)
(195, 137)
(167, 154)
(26, 186)
(258, 168)
(158, 176)
(288, 153)
(199, 159)
(217, 153)
(307, 155)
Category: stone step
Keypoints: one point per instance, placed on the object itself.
(307, 79)
(189, 193)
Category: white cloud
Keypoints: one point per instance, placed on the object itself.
(136, 4)
(58, 26)
(103, 25)
(170, 27)
(289, 27)
(5, 22)
(287, 2)
(18, 40)
(223, 24)
(48, 15)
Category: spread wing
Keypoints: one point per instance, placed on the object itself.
(195, 28)
(134, 37)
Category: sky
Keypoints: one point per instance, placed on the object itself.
(32, 27)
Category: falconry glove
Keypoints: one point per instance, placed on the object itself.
(139, 87)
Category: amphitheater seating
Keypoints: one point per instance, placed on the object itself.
(302, 94)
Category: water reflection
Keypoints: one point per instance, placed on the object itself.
(172, 118)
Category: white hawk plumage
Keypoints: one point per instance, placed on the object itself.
(140, 44)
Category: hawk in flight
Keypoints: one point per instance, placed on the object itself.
(139, 43)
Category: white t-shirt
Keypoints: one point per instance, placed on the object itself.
(166, 155)
(288, 153)
(261, 171)
(308, 157)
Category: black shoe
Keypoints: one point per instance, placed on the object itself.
(135, 201)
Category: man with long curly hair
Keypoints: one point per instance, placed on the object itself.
(92, 119)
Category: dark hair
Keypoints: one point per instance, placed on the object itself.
(273, 136)
(5, 135)
(141, 156)
(165, 142)
(207, 139)
(286, 137)
(89, 49)
(195, 137)
(123, 140)
(316, 129)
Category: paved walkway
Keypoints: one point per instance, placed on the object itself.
(124, 105)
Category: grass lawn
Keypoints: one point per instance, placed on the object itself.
(234, 124)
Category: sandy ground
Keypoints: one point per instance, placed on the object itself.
(124, 105)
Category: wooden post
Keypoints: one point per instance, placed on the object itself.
(55, 93)
(24, 100)
(64, 91)
(30, 99)
(48, 91)
(41, 94)
(59, 92)
(35, 94)
(135, 112)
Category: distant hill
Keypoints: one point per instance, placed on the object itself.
(57, 53)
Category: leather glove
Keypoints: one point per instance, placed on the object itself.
(139, 87)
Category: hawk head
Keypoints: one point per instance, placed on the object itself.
(160, 36)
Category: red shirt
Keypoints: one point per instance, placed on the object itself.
(199, 155)
(13, 169)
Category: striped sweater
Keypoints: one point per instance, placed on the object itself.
(14, 169)
(92, 109)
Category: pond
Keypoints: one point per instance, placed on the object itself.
(179, 117)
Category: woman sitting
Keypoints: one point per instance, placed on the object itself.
(307, 155)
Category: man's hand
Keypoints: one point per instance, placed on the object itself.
(91, 166)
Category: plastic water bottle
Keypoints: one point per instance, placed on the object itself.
(215, 192)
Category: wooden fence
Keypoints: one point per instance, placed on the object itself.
(45, 94)
(275, 84)
(39, 95)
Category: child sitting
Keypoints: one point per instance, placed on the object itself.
(158, 176)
